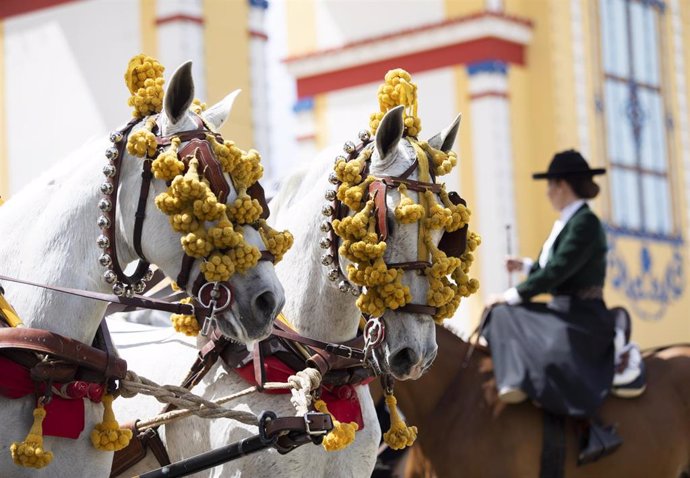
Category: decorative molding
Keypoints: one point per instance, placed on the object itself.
(179, 17)
(488, 66)
(263, 4)
(304, 104)
(649, 295)
(475, 38)
(648, 236)
(12, 8)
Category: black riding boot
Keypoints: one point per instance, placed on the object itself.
(597, 441)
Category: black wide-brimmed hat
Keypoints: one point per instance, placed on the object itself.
(568, 164)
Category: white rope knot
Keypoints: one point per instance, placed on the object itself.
(302, 384)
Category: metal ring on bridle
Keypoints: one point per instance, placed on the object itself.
(215, 295)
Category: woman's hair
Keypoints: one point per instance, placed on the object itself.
(583, 186)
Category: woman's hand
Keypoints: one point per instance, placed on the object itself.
(514, 264)
(495, 299)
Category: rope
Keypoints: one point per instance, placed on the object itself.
(301, 385)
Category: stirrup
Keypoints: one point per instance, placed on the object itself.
(600, 442)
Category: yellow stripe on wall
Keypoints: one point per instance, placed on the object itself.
(149, 29)
(227, 58)
(4, 160)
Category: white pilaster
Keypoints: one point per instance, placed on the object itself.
(181, 38)
(493, 169)
(305, 128)
(579, 69)
(681, 98)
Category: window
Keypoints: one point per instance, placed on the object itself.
(637, 128)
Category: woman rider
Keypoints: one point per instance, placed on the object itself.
(560, 354)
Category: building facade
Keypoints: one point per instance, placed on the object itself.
(531, 77)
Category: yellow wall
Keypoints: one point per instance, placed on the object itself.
(301, 16)
(149, 29)
(226, 36)
(4, 167)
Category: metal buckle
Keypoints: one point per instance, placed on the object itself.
(212, 306)
(308, 428)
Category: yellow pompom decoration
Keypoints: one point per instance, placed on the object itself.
(399, 435)
(189, 186)
(169, 204)
(407, 212)
(197, 106)
(208, 208)
(142, 143)
(184, 221)
(248, 170)
(196, 243)
(354, 227)
(342, 434)
(443, 162)
(277, 243)
(350, 172)
(218, 267)
(439, 216)
(223, 235)
(398, 89)
(460, 214)
(244, 257)
(352, 196)
(244, 210)
(30, 453)
(166, 166)
(107, 435)
(227, 153)
(185, 324)
(144, 79)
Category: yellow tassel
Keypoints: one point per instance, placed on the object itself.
(399, 435)
(7, 311)
(107, 435)
(30, 452)
(185, 324)
(342, 435)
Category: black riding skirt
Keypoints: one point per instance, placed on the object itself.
(561, 354)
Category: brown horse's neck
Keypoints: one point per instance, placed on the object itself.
(419, 399)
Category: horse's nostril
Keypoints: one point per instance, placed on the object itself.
(403, 360)
(265, 304)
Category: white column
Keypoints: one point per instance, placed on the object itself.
(259, 81)
(582, 93)
(305, 128)
(493, 169)
(494, 5)
(181, 38)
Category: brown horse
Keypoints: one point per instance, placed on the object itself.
(464, 431)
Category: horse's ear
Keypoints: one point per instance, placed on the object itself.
(445, 139)
(180, 93)
(390, 131)
(217, 114)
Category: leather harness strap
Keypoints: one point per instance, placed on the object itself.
(75, 352)
(137, 300)
(146, 176)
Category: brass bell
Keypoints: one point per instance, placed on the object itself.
(116, 137)
(105, 260)
(325, 226)
(111, 154)
(109, 276)
(325, 243)
(349, 147)
(330, 195)
(327, 210)
(333, 274)
(327, 259)
(333, 179)
(109, 170)
(119, 289)
(105, 205)
(364, 135)
(107, 188)
(103, 222)
(103, 242)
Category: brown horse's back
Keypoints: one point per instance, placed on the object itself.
(468, 433)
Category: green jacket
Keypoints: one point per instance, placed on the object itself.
(577, 259)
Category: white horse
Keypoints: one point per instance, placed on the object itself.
(49, 232)
(317, 309)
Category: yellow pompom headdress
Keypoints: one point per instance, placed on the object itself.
(379, 286)
(190, 201)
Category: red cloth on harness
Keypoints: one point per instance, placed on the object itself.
(342, 401)
(64, 416)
